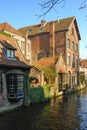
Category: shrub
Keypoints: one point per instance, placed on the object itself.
(38, 94)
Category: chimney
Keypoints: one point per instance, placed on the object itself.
(43, 23)
(52, 38)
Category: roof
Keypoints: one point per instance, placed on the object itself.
(7, 27)
(19, 61)
(46, 61)
(7, 45)
(83, 63)
(61, 25)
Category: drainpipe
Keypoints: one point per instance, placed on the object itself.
(28, 49)
(52, 39)
(26, 38)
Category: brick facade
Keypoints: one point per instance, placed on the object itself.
(58, 37)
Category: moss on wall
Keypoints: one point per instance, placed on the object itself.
(5, 34)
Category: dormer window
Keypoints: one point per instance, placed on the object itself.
(8, 50)
(10, 53)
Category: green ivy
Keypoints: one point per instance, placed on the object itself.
(39, 94)
(48, 71)
(82, 79)
(26, 88)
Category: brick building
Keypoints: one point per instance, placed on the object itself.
(83, 67)
(49, 39)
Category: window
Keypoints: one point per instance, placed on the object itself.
(68, 60)
(22, 45)
(68, 43)
(0, 83)
(30, 30)
(73, 61)
(20, 82)
(76, 62)
(41, 29)
(40, 55)
(12, 88)
(15, 83)
(10, 53)
(73, 47)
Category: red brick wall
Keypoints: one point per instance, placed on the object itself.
(39, 44)
(60, 46)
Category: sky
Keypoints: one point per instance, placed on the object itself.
(21, 13)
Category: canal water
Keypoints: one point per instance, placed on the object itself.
(62, 113)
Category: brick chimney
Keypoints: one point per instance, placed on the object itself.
(52, 38)
(43, 23)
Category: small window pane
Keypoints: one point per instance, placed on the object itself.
(73, 47)
(10, 53)
(40, 55)
(68, 43)
(20, 82)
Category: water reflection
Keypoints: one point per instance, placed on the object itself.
(63, 113)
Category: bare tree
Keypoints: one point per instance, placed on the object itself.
(48, 5)
(83, 5)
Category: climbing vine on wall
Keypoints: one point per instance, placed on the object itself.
(48, 71)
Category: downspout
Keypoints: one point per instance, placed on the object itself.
(52, 39)
(26, 37)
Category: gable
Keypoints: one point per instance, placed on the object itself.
(60, 65)
(6, 27)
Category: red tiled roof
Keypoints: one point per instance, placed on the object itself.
(7, 27)
(18, 62)
(46, 61)
(83, 63)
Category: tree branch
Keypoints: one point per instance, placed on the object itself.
(83, 5)
(48, 5)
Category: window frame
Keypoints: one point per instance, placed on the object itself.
(73, 45)
(68, 43)
(68, 59)
(73, 60)
(10, 54)
(40, 55)
(13, 88)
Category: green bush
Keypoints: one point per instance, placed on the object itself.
(38, 94)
